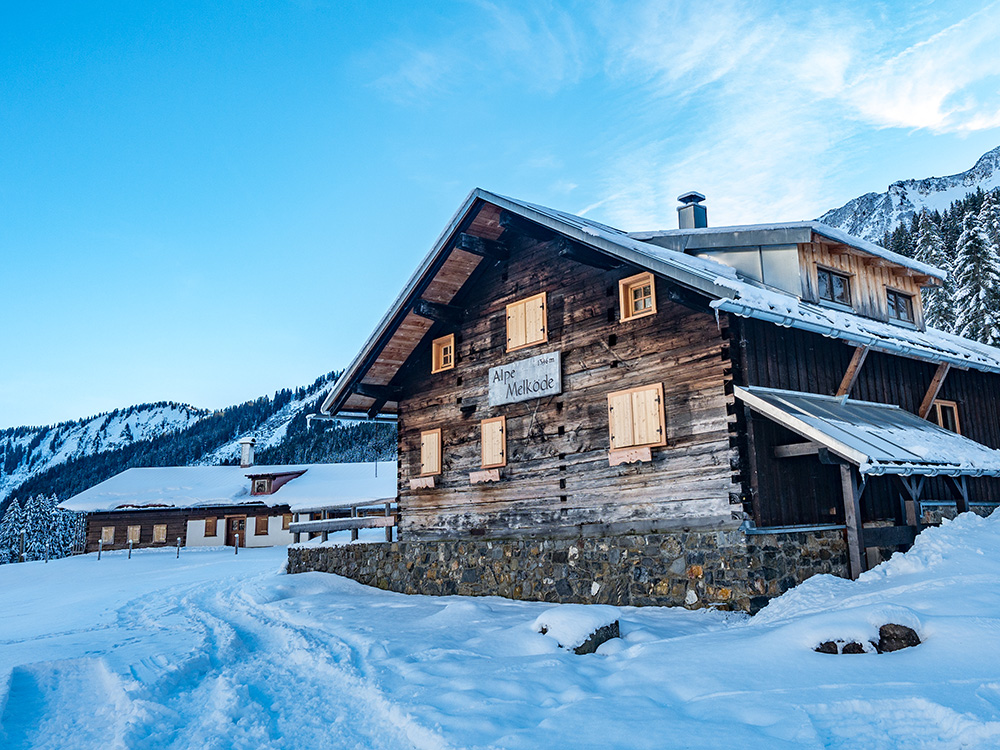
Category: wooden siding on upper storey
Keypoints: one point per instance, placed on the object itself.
(870, 277)
(558, 479)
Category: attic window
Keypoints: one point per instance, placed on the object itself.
(636, 417)
(833, 287)
(900, 306)
(945, 414)
(526, 324)
(261, 487)
(637, 296)
(443, 353)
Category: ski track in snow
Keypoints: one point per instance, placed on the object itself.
(220, 651)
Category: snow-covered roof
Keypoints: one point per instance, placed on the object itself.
(718, 282)
(320, 485)
(879, 438)
(775, 234)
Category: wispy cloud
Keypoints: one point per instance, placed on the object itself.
(949, 82)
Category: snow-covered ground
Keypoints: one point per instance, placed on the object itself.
(214, 650)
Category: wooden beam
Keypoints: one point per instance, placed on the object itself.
(439, 313)
(853, 370)
(794, 450)
(480, 246)
(519, 225)
(852, 519)
(585, 255)
(378, 392)
(933, 389)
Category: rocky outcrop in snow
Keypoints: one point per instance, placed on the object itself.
(871, 215)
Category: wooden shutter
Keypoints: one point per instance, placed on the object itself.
(211, 526)
(159, 533)
(108, 534)
(526, 322)
(133, 534)
(260, 527)
(286, 521)
(636, 417)
(494, 442)
(430, 452)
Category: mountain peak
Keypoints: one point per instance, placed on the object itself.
(871, 215)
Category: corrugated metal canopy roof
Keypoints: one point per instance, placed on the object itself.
(879, 438)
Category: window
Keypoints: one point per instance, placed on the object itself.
(133, 534)
(108, 534)
(636, 417)
(526, 322)
(945, 414)
(637, 295)
(261, 487)
(900, 306)
(211, 526)
(430, 452)
(494, 440)
(833, 286)
(443, 353)
(260, 526)
(159, 533)
(286, 521)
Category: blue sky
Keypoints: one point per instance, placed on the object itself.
(206, 202)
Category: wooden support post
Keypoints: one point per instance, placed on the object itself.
(323, 516)
(853, 370)
(296, 536)
(388, 529)
(961, 489)
(852, 519)
(912, 489)
(354, 532)
(933, 389)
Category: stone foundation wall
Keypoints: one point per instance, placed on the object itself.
(726, 569)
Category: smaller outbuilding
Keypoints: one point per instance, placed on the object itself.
(200, 506)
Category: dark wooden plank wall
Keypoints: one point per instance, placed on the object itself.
(800, 490)
(558, 479)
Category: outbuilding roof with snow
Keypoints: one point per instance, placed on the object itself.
(880, 439)
(365, 385)
(314, 485)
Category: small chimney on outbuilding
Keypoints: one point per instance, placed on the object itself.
(246, 452)
(692, 215)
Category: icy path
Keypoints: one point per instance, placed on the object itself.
(217, 651)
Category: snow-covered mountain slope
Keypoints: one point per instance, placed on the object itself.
(163, 434)
(28, 451)
(871, 215)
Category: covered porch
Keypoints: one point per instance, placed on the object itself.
(859, 443)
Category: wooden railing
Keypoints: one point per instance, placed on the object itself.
(363, 515)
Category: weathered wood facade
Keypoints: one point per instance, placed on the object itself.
(691, 329)
(558, 478)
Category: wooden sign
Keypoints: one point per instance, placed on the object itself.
(526, 379)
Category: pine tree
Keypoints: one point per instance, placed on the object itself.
(989, 219)
(38, 514)
(977, 283)
(10, 533)
(939, 306)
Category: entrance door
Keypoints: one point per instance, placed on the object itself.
(236, 525)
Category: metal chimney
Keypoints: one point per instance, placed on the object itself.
(246, 452)
(692, 215)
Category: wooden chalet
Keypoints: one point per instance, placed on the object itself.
(552, 376)
(199, 506)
